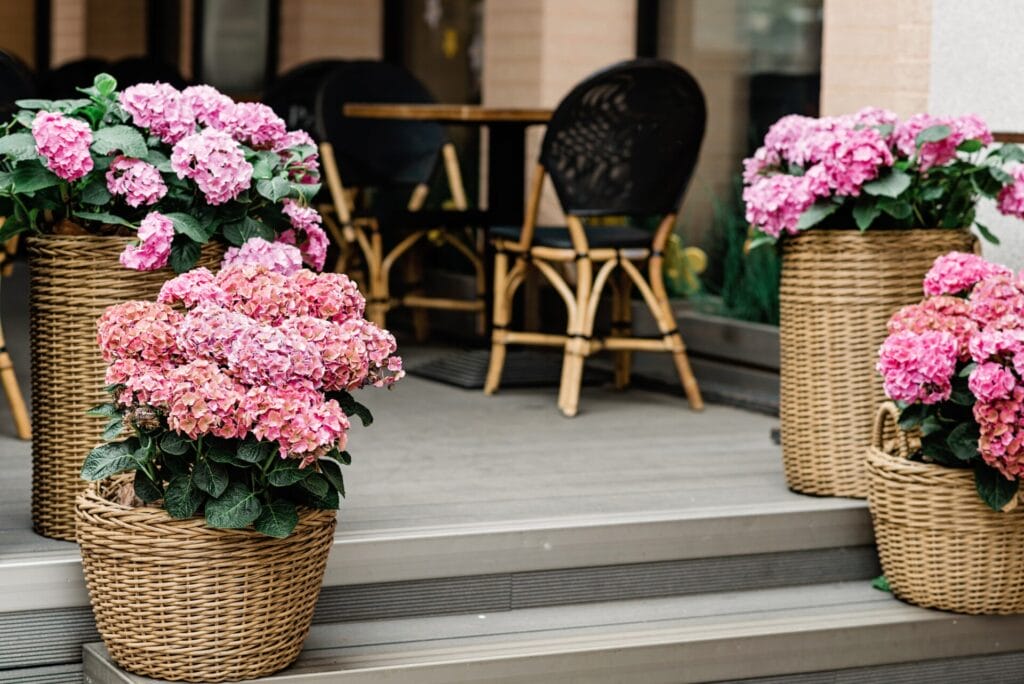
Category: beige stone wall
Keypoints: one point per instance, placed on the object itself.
(535, 51)
(317, 29)
(868, 60)
(115, 29)
(67, 31)
(17, 30)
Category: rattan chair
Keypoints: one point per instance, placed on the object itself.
(623, 143)
(363, 157)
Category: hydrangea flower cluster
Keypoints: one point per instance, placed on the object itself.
(137, 181)
(251, 351)
(64, 143)
(967, 333)
(826, 161)
(276, 256)
(212, 166)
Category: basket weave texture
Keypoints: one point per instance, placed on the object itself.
(174, 599)
(940, 545)
(838, 290)
(73, 279)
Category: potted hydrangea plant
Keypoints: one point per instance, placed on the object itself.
(945, 507)
(231, 400)
(115, 189)
(861, 204)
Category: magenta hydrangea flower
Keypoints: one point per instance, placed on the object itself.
(215, 162)
(873, 117)
(958, 272)
(161, 109)
(210, 106)
(1002, 441)
(939, 152)
(192, 288)
(990, 381)
(851, 158)
(137, 181)
(306, 169)
(156, 233)
(256, 124)
(1010, 200)
(918, 367)
(275, 256)
(949, 314)
(775, 203)
(64, 143)
(307, 221)
(995, 298)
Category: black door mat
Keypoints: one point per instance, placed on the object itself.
(523, 368)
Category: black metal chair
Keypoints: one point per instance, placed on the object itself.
(293, 94)
(134, 70)
(16, 83)
(62, 83)
(623, 143)
(391, 157)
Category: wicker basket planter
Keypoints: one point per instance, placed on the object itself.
(940, 545)
(838, 290)
(73, 279)
(176, 600)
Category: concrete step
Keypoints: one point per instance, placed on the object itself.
(848, 630)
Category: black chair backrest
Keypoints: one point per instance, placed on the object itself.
(16, 83)
(134, 70)
(625, 141)
(292, 95)
(61, 83)
(377, 152)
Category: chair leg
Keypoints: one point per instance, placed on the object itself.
(380, 293)
(413, 268)
(576, 346)
(22, 424)
(501, 316)
(622, 326)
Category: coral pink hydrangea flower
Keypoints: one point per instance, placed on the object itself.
(156, 233)
(958, 272)
(192, 288)
(215, 162)
(1002, 439)
(137, 181)
(1010, 200)
(205, 400)
(330, 296)
(143, 331)
(298, 419)
(949, 314)
(64, 143)
(275, 256)
(160, 108)
(918, 367)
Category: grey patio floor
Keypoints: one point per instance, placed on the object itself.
(445, 463)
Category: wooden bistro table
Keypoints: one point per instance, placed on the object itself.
(506, 144)
(506, 183)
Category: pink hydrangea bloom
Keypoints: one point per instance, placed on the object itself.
(949, 314)
(996, 345)
(1002, 439)
(958, 272)
(192, 288)
(209, 331)
(205, 401)
(990, 381)
(851, 158)
(972, 127)
(330, 296)
(64, 143)
(160, 108)
(775, 203)
(784, 134)
(759, 164)
(939, 152)
(215, 162)
(142, 331)
(299, 420)
(259, 293)
(156, 233)
(276, 256)
(137, 181)
(996, 297)
(256, 124)
(210, 106)
(873, 116)
(1010, 200)
(306, 220)
(264, 355)
(918, 367)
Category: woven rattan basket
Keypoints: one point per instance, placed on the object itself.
(839, 288)
(73, 279)
(940, 545)
(174, 599)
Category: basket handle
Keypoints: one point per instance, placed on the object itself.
(888, 418)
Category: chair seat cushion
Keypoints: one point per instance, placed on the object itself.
(427, 218)
(549, 236)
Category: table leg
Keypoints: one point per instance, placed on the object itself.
(506, 181)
